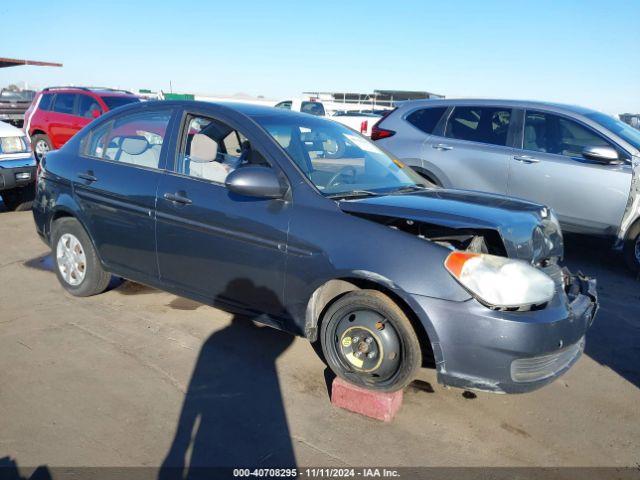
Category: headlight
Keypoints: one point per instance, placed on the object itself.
(499, 281)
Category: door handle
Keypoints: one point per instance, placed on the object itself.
(526, 159)
(442, 146)
(89, 177)
(177, 198)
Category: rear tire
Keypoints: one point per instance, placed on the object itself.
(77, 265)
(41, 144)
(631, 248)
(19, 199)
(368, 340)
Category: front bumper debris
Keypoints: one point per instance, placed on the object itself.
(511, 352)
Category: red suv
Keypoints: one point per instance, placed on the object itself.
(57, 113)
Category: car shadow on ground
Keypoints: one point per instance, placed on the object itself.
(9, 470)
(614, 338)
(233, 413)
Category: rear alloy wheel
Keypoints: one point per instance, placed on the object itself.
(368, 340)
(41, 145)
(632, 248)
(77, 265)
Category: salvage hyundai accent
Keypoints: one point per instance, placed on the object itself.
(309, 227)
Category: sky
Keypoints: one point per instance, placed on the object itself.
(582, 52)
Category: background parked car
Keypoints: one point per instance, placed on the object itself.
(13, 105)
(577, 161)
(57, 113)
(361, 122)
(17, 168)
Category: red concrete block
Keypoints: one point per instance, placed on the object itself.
(378, 405)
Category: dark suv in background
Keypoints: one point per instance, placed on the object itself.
(57, 113)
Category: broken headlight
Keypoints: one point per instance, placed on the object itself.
(500, 282)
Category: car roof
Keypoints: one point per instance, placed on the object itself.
(249, 109)
(102, 91)
(559, 107)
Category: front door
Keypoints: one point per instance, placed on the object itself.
(587, 196)
(473, 152)
(116, 181)
(217, 245)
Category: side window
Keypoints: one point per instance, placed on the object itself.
(286, 105)
(63, 103)
(135, 139)
(94, 142)
(312, 108)
(45, 101)
(479, 124)
(211, 150)
(426, 119)
(87, 105)
(544, 132)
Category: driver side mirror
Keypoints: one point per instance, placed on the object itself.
(260, 182)
(95, 113)
(606, 155)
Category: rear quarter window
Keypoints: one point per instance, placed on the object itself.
(426, 119)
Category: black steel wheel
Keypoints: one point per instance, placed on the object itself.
(369, 341)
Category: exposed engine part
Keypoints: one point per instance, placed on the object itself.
(470, 240)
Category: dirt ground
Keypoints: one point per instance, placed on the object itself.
(140, 377)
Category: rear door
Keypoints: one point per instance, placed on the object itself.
(116, 185)
(63, 121)
(214, 244)
(587, 196)
(473, 149)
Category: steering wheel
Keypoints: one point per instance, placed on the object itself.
(339, 173)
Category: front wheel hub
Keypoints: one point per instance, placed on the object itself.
(367, 348)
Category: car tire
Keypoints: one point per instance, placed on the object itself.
(41, 144)
(631, 248)
(76, 262)
(368, 341)
(18, 199)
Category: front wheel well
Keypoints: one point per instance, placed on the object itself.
(428, 176)
(331, 291)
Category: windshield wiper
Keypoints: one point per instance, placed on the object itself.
(353, 193)
(407, 189)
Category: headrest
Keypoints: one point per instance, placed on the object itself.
(203, 149)
(134, 145)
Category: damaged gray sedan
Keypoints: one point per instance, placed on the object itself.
(306, 225)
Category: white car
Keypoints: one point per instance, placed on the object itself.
(17, 168)
(361, 122)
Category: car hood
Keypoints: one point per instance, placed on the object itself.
(7, 130)
(528, 231)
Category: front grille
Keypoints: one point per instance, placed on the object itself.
(545, 366)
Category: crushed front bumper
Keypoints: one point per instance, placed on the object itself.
(511, 352)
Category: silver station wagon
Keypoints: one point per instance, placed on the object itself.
(582, 163)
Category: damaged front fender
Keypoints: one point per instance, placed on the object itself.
(632, 211)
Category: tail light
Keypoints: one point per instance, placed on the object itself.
(364, 126)
(377, 133)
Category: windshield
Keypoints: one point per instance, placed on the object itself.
(115, 102)
(338, 160)
(23, 96)
(624, 131)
